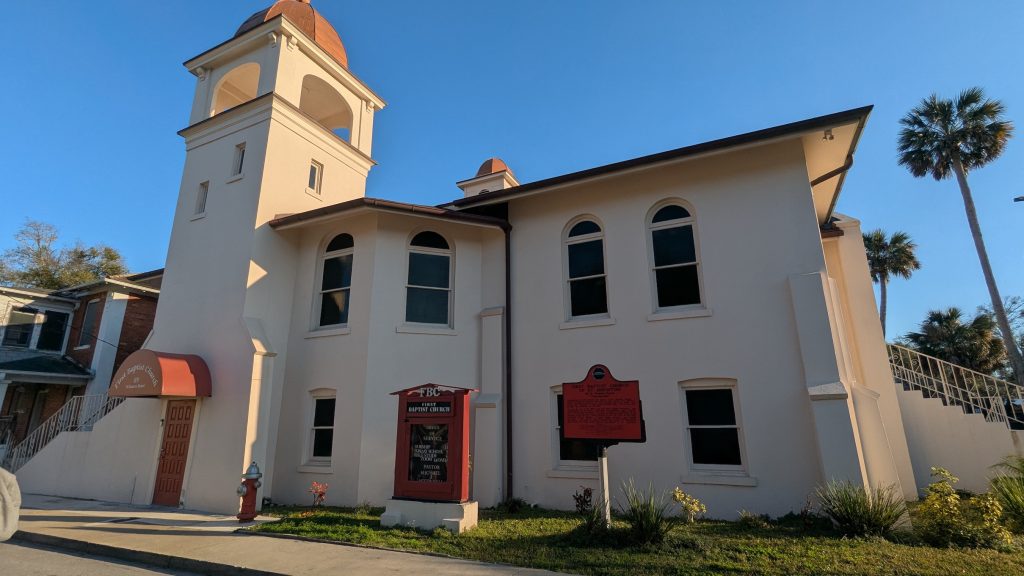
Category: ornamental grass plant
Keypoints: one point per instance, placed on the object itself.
(646, 512)
(859, 512)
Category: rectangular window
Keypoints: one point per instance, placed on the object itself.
(427, 294)
(713, 428)
(51, 335)
(676, 272)
(574, 449)
(201, 194)
(88, 329)
(20, 324)
(334, 290)
(316, 171)
(323, 428)
(239, 159)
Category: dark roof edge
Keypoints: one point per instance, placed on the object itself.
(792, 128)
(390, 206)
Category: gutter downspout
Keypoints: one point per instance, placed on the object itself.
(508, 363)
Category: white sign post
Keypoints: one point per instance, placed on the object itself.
(606, 501)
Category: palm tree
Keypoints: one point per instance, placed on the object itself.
(942, 137)
(893, 256)
(973, 345)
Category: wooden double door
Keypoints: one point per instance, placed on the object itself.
(170, 472)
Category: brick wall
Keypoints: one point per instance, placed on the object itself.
(138, 322)
(84, 355)
(55, 397)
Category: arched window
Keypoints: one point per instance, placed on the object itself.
(236, 87)
(675, 266)
(325, 105)
(336, 282)
(428, 293)
(584, 257)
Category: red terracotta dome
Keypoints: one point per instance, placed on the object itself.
(301, 14)
(492, 166)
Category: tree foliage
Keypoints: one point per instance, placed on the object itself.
(36, 260)
(888, 257)
(973, 344)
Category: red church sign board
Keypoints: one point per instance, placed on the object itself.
(432, 448)
(603, 409)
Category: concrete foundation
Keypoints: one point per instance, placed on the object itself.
(455, 516)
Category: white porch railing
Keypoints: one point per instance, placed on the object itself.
(78, 413)
(976, 393)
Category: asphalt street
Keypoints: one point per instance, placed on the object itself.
(22, 559)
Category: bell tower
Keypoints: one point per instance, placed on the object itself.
(279, 125)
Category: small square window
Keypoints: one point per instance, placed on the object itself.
(20, 324)
(316, 172)
(51, 335)
(201, 194)
(239, 159)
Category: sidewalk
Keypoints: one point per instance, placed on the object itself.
(208, 544)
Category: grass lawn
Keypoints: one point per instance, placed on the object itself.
(552, 540)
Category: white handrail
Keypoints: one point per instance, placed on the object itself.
(976, 393)
(78, 413)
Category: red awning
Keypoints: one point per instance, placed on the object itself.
(151, 374)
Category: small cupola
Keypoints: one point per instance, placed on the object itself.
(492, 176)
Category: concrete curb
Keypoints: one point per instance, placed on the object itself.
(140, 556)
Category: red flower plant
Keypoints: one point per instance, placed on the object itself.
(319, 492)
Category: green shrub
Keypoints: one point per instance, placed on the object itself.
(513, 506)
(753, 521)
(947, 519)
(593, 515)
(647, 513)
(1008, 487)
(858, 512)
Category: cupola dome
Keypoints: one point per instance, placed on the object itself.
(492, 166)
(301, 14)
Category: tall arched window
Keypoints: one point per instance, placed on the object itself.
(675, 266)
(236, 87)
(584, 256)
(428, 293)
(336, 282)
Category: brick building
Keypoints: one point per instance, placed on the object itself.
(55, 345)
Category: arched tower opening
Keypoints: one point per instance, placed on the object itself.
(325, 105)
(236, 87)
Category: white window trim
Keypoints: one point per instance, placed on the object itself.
(202, 197)
(427, 327)
(714, 473)
(685, 310)
(583, 469)
(316, 191)
(343, 328)
(586, 319)
(36, 325)
(311, 461)
(238, 163)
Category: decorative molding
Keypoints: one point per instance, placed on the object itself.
(202, 73)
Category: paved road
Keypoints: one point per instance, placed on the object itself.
(21, 559)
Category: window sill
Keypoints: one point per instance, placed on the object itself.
(314, 194)
(198, 216)
(679, 314)
(425, 329)
(328, 332)
(586, 323)
(82, 347)
(723, 479)
(573, 472)
(235, 178)
(315, 469)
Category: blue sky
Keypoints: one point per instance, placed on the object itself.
(95, 93)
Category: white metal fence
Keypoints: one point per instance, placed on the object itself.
(78, 413)
(976, 393)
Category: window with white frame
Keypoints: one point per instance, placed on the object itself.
(87, 332)
(201, 194)
(675, 265)
(52, 330)
(572, 451)
(321, 436)
(239, 159)
(18, 330)
(586, 286)
(428, 294)
(335, 282)
(714, 435)
(316, 173)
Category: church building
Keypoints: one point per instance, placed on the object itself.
(718, 275)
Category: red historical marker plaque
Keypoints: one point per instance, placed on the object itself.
(432, 451)
(602, 408)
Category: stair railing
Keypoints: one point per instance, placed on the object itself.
(975, 393)
(79, 413)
